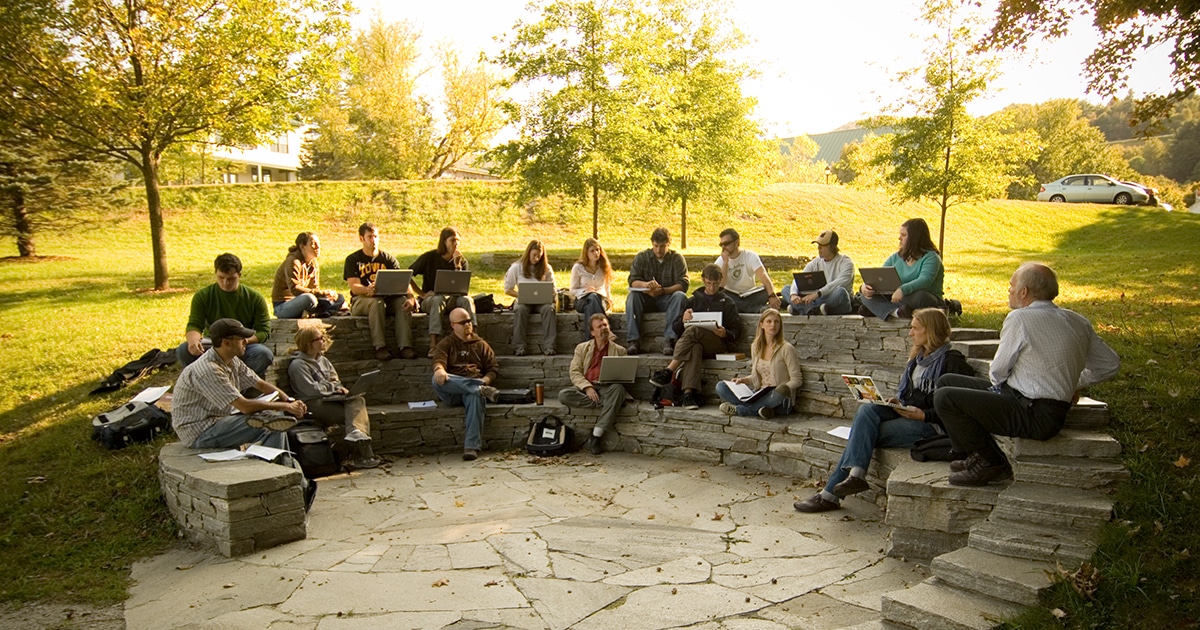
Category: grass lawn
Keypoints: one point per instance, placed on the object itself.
(73, 516)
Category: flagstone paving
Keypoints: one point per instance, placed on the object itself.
(511, 541)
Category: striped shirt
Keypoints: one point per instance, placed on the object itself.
(1050, 352)
(204, 393)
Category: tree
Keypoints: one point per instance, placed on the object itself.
(1066, 144)
(130, 79)
(1126, 28)
(1184, 159)
(943, 153)
(473, 114)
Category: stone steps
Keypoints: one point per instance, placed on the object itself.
(928, 516)
(1053, 506)
(1015, 580)
(1032, 542)
(1070, 472)
(934, 605)
(976, 348)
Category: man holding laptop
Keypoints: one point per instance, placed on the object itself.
(531, 280)
(591, 388)
(709, 325)
(366, 298)
(740, 268)
(825, 285)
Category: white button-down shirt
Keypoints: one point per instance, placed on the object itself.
(1050, 352)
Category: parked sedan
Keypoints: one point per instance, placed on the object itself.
(1092, 189)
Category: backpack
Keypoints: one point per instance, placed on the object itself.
(148, 362)
(313, 450)
(935, 448)
(549, 437)
(129, 423)
(518, 396)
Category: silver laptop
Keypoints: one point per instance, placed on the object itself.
(365, 382)
(704, 319)
(618, 369)
(809, 281)
(882, 279)
(392, 281)
(534, 293)
(451, 282)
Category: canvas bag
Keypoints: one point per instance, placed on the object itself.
(129, 423)
(549, 437)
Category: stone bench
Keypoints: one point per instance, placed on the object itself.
(238, 507)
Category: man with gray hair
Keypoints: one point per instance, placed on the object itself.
(1046, 355)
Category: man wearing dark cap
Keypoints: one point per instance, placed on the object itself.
(208, 392)
(228, 298)
(834, 297)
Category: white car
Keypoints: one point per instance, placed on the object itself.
(1093, 189)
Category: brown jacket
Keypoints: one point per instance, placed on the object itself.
(472, 359)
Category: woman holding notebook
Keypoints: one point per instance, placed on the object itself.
(775, 377)
(880, 426)
(314, 380)
(919, 265)
(532, 267)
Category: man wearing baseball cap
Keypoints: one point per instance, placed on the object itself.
(834, 297)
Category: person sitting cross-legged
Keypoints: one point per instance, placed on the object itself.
(697, 342)
(585, 376)
(879, 426)
(774, 363)
(834, 297)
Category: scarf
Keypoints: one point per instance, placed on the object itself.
(933, 363)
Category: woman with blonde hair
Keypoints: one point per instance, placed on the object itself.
(314, 380)
(774, 363)
(591, 283)
(532, 266)
(881, 426)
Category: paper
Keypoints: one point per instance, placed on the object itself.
(265, 453)
(422, 404)
(151, 394)
(264, 398)
(1084, 401)
(223, 456)
(842, 432)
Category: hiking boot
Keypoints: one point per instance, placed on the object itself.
(668, 347)
(408, 352)
(489, 392)
(815, 503)
(728, 409)
(470, 455)
(689, 401)
(382, 354)
(981, 472)
(593, 445)
(279, 424)
(661, 378)
(850, 485)
(633, 348)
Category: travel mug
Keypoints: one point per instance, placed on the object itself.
(539, 393)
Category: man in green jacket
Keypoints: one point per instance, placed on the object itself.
(228, 298)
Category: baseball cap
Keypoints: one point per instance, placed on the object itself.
(229, 327)
(828, 237)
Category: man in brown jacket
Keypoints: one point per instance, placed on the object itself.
(585, 372)
(464, 368)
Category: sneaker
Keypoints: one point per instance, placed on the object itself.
(668, 347)
(489, 392)
(519, 351)
(850, 485)
(689, 400)
(766, 413)
(470, 455)
(310, 494)
(356, 435)
(279, 424)
(593, 445)
(981, 472)
(408, 352)
(548, 352)
(821, 310)
(382, 354)
(728, 409)
(365, 463)
(633, 348)
(815, 503)
(960, 465)
(661, 378)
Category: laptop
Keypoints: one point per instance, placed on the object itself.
(809, 281)
(451, 282)
(392, 281)
(618, 369)
(708, 320)
(365, 382)
(534, 293)
(865, 391)
(882, 279)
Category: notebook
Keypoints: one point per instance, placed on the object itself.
(865, 391)
(882, 279)
(709, 320)
(392, 281)
(451, 282)
(809, 281)
(618, 369)
(365, 382)
(534, 293)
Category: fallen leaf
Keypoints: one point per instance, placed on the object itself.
(492, 583)
(1182, 462)
(459, 503)
(1059, 613)
(229, 585)
(1173, 392)
(183, 567)
(36, 480)
(718, 516)
(650, 518)
(674, 591)
(442, 582)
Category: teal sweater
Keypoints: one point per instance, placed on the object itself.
(924, 275)
(245, 305)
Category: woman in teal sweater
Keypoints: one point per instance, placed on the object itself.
(919, 266)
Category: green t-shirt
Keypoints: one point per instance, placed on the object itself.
(245, 305)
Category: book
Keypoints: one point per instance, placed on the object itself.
(744, 393)
(753, 291)
(730, 356)
(865, 391)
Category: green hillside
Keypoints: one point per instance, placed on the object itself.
(72, 318)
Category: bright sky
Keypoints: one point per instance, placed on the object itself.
(821, 64)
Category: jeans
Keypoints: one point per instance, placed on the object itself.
(883, 307)
(437, 305)
(770, 400)
(463, 391)
(973, 413)
(836, 303)
(875, 426)
(638, 303)
(258, 357)
(590, 304)
(612, 398)
(296, 307)
(521, 321)
(752, 304)
(232, 432)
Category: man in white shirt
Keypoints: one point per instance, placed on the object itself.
(741, 267)
(834, 297)
(1046, 355)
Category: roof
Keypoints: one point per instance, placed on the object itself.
(830, 144)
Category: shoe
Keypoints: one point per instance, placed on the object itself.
(593, 445)
(489, 392)
(766, 413)
(981, 472)
(470, 455)
(850, 485)
(815, 503)
(903, 313)
(821, 310)
(633, 348)
(408, 353)
(689, 400)
(519, 351)
(661, 378)
(668, 347)
(382, 354)
(279, 424)
(548, 352)
(363, 464)
(310, 494)
(356, 435)
(960, 465)
(728, 409)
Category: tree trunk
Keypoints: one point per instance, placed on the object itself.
(595, 211)
(158, 238)
(25, 244)
(683, 222)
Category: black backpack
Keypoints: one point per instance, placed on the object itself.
(935, 448)
(313, 450)
(549, 437)
(129, 423)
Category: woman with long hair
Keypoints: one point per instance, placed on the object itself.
(532, 266)
(774, 364)
(591, 283)
(297, 289)
(447, 257)
(881, 426)
(314, 380)
(919, 265)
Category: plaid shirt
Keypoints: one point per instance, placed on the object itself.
(205, 393)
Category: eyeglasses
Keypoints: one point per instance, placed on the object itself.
(460, 323)
(725, 243)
